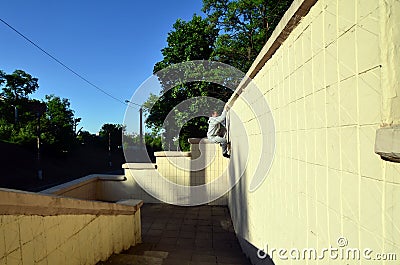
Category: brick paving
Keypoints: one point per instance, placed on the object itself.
(201, 235)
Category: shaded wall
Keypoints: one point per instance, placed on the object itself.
(45, 229)
(204, 164)
(331, 83)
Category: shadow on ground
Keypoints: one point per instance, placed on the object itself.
(175, 235)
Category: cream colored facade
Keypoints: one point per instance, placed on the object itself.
(45, 229)
(330, 75)
(330, 85)
(204, 164)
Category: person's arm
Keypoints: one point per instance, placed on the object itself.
(222, 117)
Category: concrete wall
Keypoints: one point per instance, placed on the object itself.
(203, 165)
(83, 188)
(92, 187)
(43, 229)
(330, 85)
(65, 239)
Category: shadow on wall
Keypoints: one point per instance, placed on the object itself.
(239, 204)
(252, 253)
(197, 177)
(238, 201)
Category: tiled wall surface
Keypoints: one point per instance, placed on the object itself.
(65, 239)
(87, 191)
(324, 87)
(181, 170)
(191, 171)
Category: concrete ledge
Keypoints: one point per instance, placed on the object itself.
(199, 140)
(131, 202)
(111, 178)
(14, 202)
(387, 143)
(172, 154)
(139, 166)
(71, 185)
(77, 183)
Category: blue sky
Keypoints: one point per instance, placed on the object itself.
(114, 44)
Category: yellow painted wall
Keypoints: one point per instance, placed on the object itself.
(181, 170)
(65, 239)
(327, 89)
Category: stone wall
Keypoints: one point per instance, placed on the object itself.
(204, 164)
(330, 83)
(44, 229)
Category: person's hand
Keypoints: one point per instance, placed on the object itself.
(227, 107)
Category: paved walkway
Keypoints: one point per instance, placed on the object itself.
(200, 235)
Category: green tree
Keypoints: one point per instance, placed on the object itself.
(17, 121)
(191, 40)
(16, 88)
(245, 27)
(19, 84)
(58, 124)
(111, 135)
(86, 138)
(234, 32)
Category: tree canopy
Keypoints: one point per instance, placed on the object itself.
(233, 32)
(18, 85)
(20, 115)
(188, 41)
(245, 26)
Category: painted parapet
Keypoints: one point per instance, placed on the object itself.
(330, 76)
(203, 165)
(48, 229)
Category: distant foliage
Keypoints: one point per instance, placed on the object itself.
(21, 115)
(111, 135)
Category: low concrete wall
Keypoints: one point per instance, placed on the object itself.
(45, 229)
(203, 164)
(91, 187)
(330, 84)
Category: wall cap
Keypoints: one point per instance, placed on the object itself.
(172, 154)
(16, 202)
(199, 140)
(139, 166)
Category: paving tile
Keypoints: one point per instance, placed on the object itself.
(156, 254)
(204, 258)
(176, 261)
(187, 234)
(140, 248)
(201, 235)
(171, 233)
(150, 239)
(182, 254)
